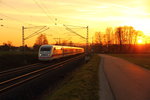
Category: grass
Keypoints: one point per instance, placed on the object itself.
(82, 84)
(12, 59)
(142, 60)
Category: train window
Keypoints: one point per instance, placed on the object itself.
(45, 48)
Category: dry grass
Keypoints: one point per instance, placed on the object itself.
(12, 59)
(82, 84)
(140, 59)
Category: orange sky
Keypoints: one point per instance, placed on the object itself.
(97, 14)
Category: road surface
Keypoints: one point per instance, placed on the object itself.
(127, 81)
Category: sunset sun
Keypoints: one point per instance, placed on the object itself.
(140, 41)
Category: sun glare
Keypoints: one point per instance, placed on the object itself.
(140, 41)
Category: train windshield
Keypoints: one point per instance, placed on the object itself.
(45, 48)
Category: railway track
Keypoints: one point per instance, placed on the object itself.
(9, 81)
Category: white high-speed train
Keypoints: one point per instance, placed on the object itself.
(50, 52)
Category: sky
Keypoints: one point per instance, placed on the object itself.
(97, 14)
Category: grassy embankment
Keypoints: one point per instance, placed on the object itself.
(142, 60)
(14, 59)
(82, 84)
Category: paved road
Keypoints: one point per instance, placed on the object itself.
(127, 81)
(105, 91)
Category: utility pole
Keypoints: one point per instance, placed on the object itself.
(23, 46)
(84, 37)
(33, 34)
(87, 40)
(23, 39)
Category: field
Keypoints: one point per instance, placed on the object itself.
(82, 84)
(13, 59)
(142, 60)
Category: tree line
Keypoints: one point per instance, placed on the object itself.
(40, 40)
(122, 39)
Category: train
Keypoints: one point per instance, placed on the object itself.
(50, 52)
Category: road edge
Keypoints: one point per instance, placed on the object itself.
(105, 91)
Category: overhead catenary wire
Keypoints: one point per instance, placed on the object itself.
(34, 27)
(67, 28)
(44, 7)
(37, 32)
(43, 10)
(77, 26)
(12, 7)
(56, 18)
(17, 20)
(46, 11)
(34, 32)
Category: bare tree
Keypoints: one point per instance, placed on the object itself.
(118, 33)
(8, 43)
(109, 32)
(121, 39)
(98, 37)
(7, 46)
(41, 40)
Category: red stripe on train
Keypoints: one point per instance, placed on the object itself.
(56, 55)
(44, 57)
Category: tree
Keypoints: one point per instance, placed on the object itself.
(98, 38)
(119, 32)
(9, 43)
(41, 40)
(109, 32)
(7, 46)
(126, 36)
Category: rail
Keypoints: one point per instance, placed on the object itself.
(17, 80)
